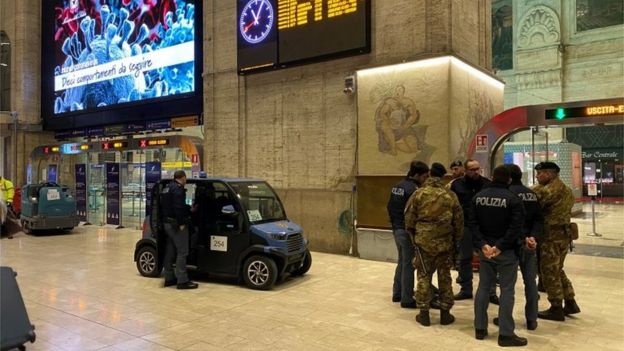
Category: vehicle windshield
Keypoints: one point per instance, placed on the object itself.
(259, 201)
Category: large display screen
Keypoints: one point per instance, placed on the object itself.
(100, 55)
(304, 31)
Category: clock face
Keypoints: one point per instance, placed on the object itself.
(256, 21)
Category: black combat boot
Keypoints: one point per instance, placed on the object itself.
(446, 317)
(423, 318)
(554, 313)
(511, 340)
(571, 307)
(531, 325)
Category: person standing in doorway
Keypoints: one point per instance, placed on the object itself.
(176, 217)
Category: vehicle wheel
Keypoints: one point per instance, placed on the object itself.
(147, 262)
(260, 272)
(305, 267)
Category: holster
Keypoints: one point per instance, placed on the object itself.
(573, 231)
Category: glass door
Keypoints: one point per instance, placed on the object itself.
(540, 152)
(96, 192)
(133, 189)
(525, 149)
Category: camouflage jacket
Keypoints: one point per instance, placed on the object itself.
(434, 217)
(556, 201)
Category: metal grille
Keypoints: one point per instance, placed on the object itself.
(295, 242)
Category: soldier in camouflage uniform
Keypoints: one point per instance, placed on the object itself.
(556, 200)
(434, 217)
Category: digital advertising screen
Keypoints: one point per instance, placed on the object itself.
(280, 33)
(111, 61)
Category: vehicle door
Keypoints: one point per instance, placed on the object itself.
(223, 234)
(155, 221)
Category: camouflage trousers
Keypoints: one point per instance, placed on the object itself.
(557, 285)
(441, 262)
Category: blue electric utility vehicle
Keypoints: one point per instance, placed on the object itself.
(239, 229)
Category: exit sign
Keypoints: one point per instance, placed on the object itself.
(562, 113)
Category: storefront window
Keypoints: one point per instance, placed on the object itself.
(593, 14)
(590, 172)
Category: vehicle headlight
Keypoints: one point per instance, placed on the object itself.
(278, 236)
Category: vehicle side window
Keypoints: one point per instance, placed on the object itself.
(223, 197)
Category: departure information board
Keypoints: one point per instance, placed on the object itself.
(279, 33)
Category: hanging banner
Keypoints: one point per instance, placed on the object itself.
(152, 176)
(81, 191)
(52, 175)
(113, 208)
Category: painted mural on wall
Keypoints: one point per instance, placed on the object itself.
(401, 118)
(593, 14)
(480, 109)
(502, 34)
(428, 110)
(396, 122)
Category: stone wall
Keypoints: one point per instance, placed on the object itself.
(296, 128)
(553, 62)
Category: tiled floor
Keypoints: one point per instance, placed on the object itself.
(83, 292)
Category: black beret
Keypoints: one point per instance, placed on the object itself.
(547, 165)
(437, 170)
(456, 164)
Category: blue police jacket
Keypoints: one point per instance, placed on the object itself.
(466, 188)
(398, 199)
(496, 218)
(533, 220)
(173, 203)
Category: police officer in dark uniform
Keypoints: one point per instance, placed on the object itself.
(176, 217)
(403, 287)
(532, 232)
(495, 220)
(465, 188)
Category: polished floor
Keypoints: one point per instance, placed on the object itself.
(609, 224)
(83, 292)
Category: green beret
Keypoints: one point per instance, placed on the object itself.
(547, 165)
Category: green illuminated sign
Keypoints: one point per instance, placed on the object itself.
(561, 113)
